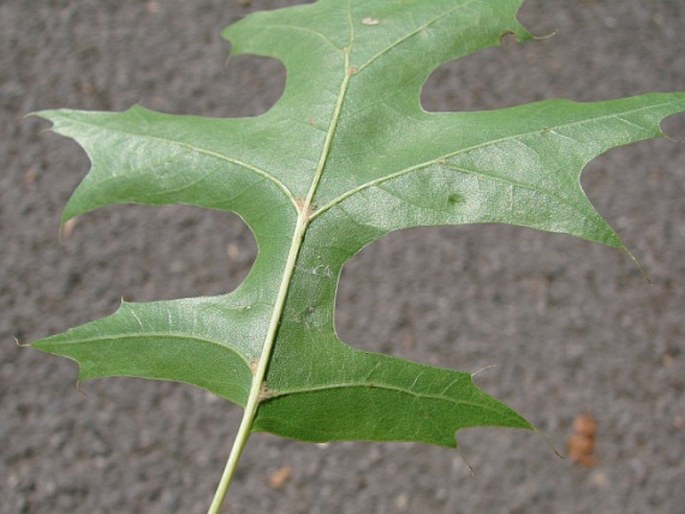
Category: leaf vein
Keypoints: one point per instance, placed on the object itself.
(409, 36)
(302, 29)
(168, 335)
(421, 166)
(204, 151)
(274, 394)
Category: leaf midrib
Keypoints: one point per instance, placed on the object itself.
(255, 398)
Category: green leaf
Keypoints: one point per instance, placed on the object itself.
(346, 156)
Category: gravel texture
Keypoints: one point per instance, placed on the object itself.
(570, 327)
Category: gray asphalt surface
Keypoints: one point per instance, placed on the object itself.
(570, 327)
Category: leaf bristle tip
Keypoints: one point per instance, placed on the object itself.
(484, 368)
(20, 344)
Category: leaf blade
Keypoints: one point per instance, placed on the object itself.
(346, 156)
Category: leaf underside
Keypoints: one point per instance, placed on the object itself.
(346, 156)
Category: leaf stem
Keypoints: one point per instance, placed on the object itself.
(232, 462)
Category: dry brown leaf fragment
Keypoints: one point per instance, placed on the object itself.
(581, 443)
(280, 477)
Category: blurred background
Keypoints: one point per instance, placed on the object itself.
(571, 329)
